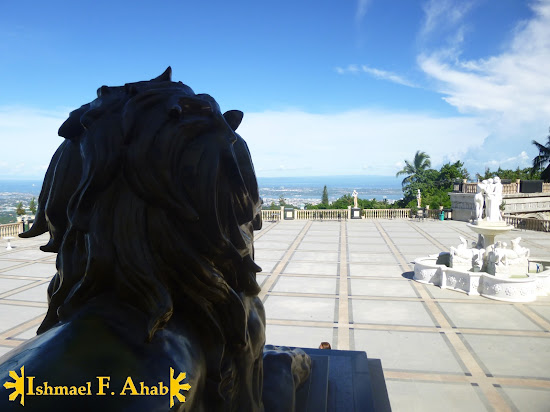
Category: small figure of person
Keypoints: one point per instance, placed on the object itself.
(324, 345)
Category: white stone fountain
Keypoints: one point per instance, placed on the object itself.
(488, 268)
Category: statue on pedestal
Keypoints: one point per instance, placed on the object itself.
(493, 200)
(489, 192)
(151, 202)
(355, 194)
(479, 199)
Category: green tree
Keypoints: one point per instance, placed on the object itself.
(20, 209)
(32, 206)
(434, 185)
(324, 198)
(343, 202)
(450, 172)
(527, 173)
(542, 160)
(414, 170)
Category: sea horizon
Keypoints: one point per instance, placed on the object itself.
(296, 190)
(300, 190)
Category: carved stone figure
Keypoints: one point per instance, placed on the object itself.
(479, 199)
(418, 198)
(520, 250)
(463, 256)
(354, 194)
(151, 202)
(493, 200)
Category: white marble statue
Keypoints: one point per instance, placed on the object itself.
(418, 198)
(479, 199)
(354, 194)
(520, 251)
(500, 259)
(488, 195)
(497, 199)
(493, 200)
(462, 255)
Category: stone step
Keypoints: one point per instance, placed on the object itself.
(343, 380)
(313, 394)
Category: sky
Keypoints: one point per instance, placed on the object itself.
(328, 87)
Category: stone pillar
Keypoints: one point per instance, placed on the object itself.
(464, 181)
(518, 181)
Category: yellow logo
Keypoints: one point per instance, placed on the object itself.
(175, 387)
(103, 383)
(18, 385)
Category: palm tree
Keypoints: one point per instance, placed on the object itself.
(413, 170)
(544, 157)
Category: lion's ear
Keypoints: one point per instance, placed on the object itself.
(164, 77)
(233, 118)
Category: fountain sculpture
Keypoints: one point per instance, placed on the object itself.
(488, 268)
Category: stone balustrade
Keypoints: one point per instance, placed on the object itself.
(337, 214)
(507, 189)
(386, 213)
(271, 215)
(322, 214)
(433, 213)
(527, 223)
(11, 229)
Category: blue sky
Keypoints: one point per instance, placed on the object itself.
(327, 87)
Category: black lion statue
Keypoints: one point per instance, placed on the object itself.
(151, 203)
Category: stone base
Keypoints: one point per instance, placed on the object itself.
(507, 288)
(355, 213)
(343, 381)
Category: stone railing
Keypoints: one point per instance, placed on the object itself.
(271, 215)
(469, 187)
(336, 214)
(321, 214)
(508, 188)
(528, 223)
(386, 213)
(433, 213)
(11, 229)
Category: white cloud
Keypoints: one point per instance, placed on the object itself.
(29, 140)
(443, 15)
(513, 83)
(361, 10)
(377, 73)
(344, 143)
(508, 92)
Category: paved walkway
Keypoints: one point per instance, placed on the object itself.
(348, 283)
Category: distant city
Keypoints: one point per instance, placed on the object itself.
(14, 191)
(297, 191)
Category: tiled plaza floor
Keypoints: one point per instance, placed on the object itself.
(349, 283)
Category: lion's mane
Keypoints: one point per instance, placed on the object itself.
(152, 200)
